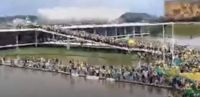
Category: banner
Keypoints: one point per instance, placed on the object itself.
(182, 10)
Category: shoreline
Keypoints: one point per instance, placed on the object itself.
(92, 77)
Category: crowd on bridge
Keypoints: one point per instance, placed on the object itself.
(138, 43)
(182, 55)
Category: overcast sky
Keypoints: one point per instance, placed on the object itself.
(74, 7)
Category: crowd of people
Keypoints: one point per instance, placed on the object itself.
(144, 73)
(187, 59)
(182, 55)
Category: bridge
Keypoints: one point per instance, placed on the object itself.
(89, 42)
(115, 30)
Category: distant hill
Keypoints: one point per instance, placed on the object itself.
(9, 19)
(124, 18)
(138, 17)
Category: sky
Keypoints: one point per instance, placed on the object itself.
(53, 9)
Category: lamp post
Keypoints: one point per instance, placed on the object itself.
(163, 26)
(68, 43)
(17, 42)
(36, 39)
(173, 42)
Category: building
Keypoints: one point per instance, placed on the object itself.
(115, 30)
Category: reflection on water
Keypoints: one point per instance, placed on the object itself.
(16, 82)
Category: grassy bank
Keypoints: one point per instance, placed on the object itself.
(187, 30)
(183, 30)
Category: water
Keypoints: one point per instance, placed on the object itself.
(91, 57)
(180, 40)
(16, 82)
(193, 43)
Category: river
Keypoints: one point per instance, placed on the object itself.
(16, 82)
